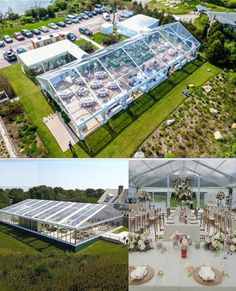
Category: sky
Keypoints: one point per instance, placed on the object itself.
(69, 174)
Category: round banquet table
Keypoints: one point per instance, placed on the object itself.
(81, 91)
(175, 277)
(103, 92)
(95, 84)
(101, 75)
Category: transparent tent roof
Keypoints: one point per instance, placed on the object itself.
(212, 172)
(68, 214)
(107, 75)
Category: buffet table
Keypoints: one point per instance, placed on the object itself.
(174, 268)
(189, 229)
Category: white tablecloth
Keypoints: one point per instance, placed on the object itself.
(175, 277)
(192, 229)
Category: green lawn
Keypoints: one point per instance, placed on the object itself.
(81, 42)
(121, 229)
(17, 243)
(10, 30)
(37, 108)
(127, 142)
(99, 37)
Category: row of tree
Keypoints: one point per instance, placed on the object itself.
(15, 195)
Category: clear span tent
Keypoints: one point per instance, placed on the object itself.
(210, 176)
(71, 222)
(92, 90)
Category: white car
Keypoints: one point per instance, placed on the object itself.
(106, 16)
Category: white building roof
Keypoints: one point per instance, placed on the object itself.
(138, 23)
(37, 55)
(223, 17)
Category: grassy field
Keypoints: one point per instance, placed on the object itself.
(120, 229)
(37, 108)
(11, 30)
(133, 131)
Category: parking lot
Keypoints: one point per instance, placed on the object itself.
(92, 23)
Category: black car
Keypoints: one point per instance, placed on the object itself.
(7, 39)
(85, 31)
(36, 31)
(43, 29)
(71, 36)
(94, 12)
(10, 56)
(21, 50)
(61, 24)
(27, 33)
(2, 43)
(68, 21)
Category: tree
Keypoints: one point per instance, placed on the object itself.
(42, 192)
(16, 195)
(216, 52)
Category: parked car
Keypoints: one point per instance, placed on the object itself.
(21, 50)
(27, 33)
(2, 43)
(85, 31)
(79, 17)
(89, 13)
(75, 20)
(98, 10)
(10, 56)
(106, 16)
(36, 31)
(53, 26)
(7, 39)
(98, 6)
(94, 12)
(67, 34)
(71, 36)
(19, 36)
(68, 21)
(43, 29)
(84, 16)
(61, 24)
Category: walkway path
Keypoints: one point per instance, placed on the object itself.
(10, 148)
(92, 41)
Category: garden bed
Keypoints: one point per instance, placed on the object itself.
(22, 132)
(192, 134)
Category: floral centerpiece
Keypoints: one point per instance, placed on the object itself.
(182, 239)
(144, 196)
(183, 188)
(139, 243)
(220, 195)
(214, 242)
(231, 242)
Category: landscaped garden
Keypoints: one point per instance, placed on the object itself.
(27, 263)
(22, 132)
(208, 110)
(106, 40)
(86, 46)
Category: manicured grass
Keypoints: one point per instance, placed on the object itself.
(99, 37)
(114, 253)
(16, 242)
(127, 142)
(37, 108)
(200, 21)
(10, 30)
(123, 228)
(81, 42)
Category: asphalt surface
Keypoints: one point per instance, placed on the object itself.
(92, 23)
